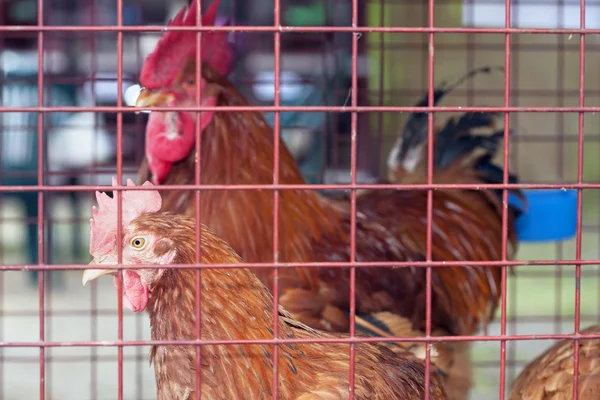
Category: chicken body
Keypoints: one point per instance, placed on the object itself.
(237, 148)
(550, 375)
(235, 305)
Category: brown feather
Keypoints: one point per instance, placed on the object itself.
(550, 375)
(237, 148)
(235, 305)
(451, 359)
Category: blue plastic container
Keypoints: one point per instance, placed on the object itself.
(551, 215)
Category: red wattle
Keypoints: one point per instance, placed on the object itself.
(167, 144)
(135, 290)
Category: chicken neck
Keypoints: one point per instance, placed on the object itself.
(237, 148)
(234, 305)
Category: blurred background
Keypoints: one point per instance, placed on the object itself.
(80, 69)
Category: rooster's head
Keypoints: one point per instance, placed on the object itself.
(168, 79)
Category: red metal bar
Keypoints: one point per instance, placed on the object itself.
(332, 264)
(276, 155)
(353, 165)
(49, 220)
(503, 284)
(297, 29)
(458, 92)
(441, 186)
(527, 319)
(40, 177)
(429, 228)
(119, 194)
(346, 340)
(94, 285)
(356, 109)
(577, 319)
(198, 200)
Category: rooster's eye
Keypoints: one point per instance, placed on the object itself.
(191, 81)
(138, 243)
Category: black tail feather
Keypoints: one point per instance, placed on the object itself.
(456, 139)
(415, 130)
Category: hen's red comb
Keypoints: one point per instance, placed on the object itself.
(176, 47)
(103, 225)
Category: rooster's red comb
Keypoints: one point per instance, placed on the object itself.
(103, 225)
(176, 47)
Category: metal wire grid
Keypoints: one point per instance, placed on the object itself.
(277, 29)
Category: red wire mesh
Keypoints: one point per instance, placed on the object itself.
(101, 350)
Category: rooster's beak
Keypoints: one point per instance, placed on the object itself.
(149, 98)
(91, 274)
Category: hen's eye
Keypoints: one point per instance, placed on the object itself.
(138, 243)
(191, 81)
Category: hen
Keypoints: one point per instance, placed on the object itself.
(235, 305)
(237, 148)
(550, 376)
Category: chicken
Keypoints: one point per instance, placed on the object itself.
(550, 376)
(237, 148)
(235, 305)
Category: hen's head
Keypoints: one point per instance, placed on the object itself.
(168, 79)
(139, 246)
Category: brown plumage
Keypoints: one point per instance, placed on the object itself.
(550, 375)
(238, 148)
(235, 305)
(451, 359)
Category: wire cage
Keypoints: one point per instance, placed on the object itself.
(338, 80)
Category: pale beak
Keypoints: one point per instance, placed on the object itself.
(149, 98)
(91, 274)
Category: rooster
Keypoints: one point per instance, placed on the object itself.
(235, 305)
(550, 376)
(238, 148)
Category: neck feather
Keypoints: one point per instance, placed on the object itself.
(238, 148)
(234, 305)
